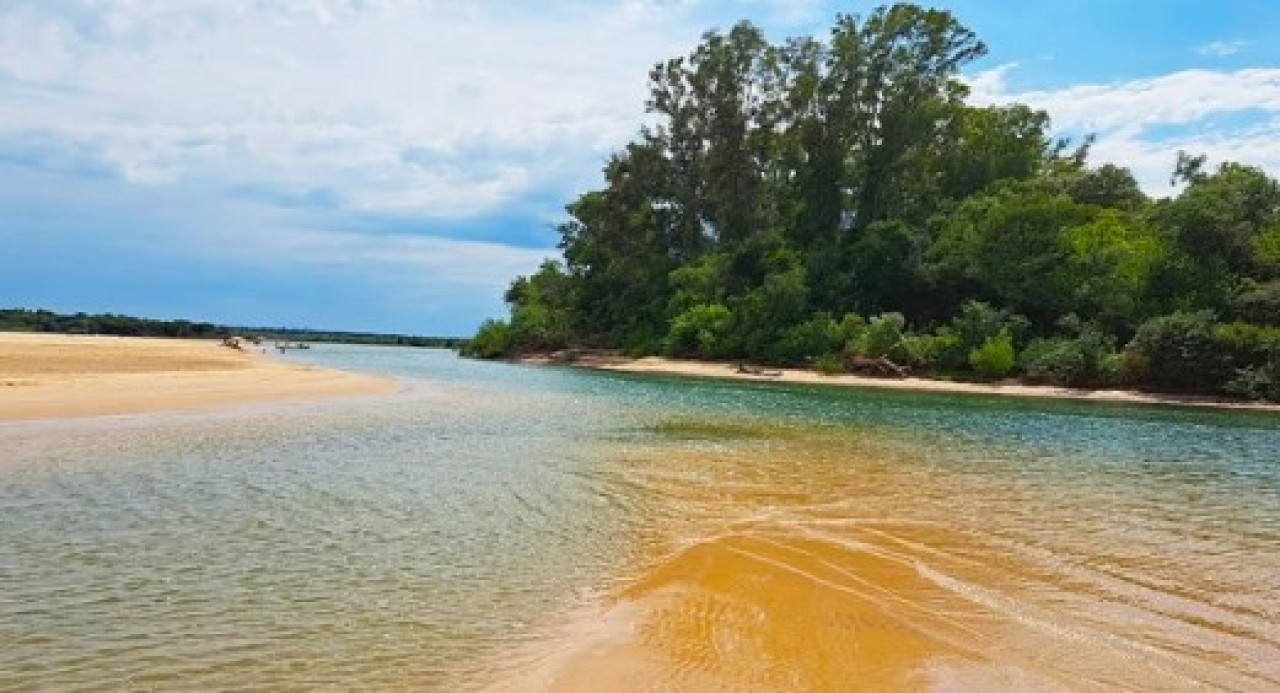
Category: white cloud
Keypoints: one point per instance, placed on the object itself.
(331, 93)
(1221, 49)
(1142, 123)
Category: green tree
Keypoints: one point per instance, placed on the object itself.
(1009, 246)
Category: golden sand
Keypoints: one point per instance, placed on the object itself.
(833, 563)
(56, 376)
(708, 369)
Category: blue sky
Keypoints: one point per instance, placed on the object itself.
(390, 165)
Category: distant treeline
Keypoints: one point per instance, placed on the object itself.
(22, 320)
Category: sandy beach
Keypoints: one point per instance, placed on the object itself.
(58, 376)
(704, 369)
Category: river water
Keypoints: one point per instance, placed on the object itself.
(495, 526)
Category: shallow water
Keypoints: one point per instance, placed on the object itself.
(531, 527)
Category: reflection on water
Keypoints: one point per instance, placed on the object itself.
(534, 528)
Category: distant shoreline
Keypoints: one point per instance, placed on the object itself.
(54, 376)
(653, 365)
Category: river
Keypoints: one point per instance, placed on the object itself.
(496, 526)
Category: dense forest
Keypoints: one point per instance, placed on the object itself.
(22, 320)
(826, 202)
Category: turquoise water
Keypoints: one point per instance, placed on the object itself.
(412, 539)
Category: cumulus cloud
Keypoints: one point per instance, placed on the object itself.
(330, 93)
(1142, 123)
(296, 139)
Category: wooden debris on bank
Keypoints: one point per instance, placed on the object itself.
(748, 369)
(880, 367)
(588, 356)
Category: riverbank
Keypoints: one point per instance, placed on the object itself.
(655, 365)
(45, 376)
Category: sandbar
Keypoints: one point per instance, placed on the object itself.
(46, 376)
(710, 369)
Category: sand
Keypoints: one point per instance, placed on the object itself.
(705, 369)
(46, 376)
(824, 557)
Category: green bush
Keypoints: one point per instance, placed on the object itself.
(882, 337)
(829, 364)
(699, 331)
(1052, 361)
(1256, 382)
(536, 327)
(977, 323)
(995, 358)
(1088, 359)
(927, 350)
(851, 328)
(1179, 352)
(492, 340)
(1253, 354)
(809, 339)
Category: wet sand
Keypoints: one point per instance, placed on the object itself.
(706, 369)
(824, 562)
(60, 376)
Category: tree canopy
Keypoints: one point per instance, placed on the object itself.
(818, 200)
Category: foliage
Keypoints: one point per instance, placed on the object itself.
(699, 331)
(1176, 352)
(932, 350)
(1260, 382)
(883, 337)
(1259, 302)
(829, 364)
(491, 341)
(807, 341)
(995, 358)
(1085, 358)
(540, 310)
(976, 323)
(782, 190)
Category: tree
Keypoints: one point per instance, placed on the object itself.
(1110, 262)
(1106, 186)
(1009, 246)
(778, 185)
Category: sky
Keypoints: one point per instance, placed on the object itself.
(390, 165)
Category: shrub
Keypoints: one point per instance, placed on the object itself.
(493, 340)
(1179, 351)
(1253, 353)
(1088, 359)
(1256, 382)
(1051, 361)
(995, 358)
(829, 364)
(927, 350)
(976, 323)
(883, 337)
(699, 331)
(809, 339)
(536, 327)
(851, 328)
